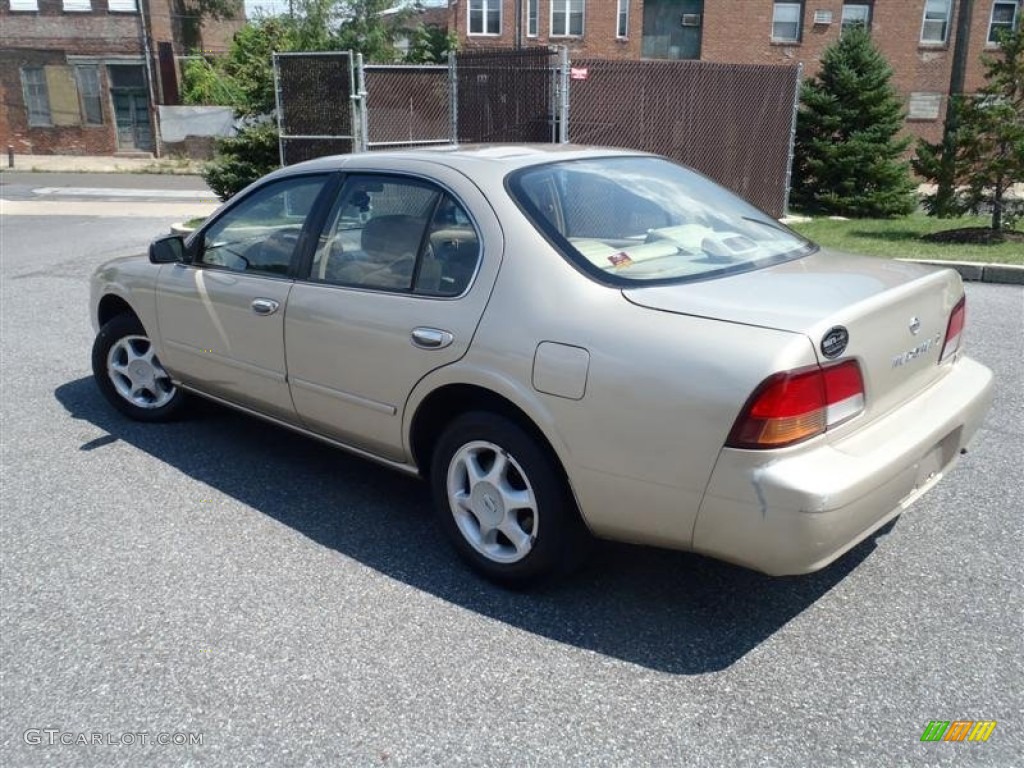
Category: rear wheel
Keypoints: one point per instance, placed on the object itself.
(503, 502)
(129, 373)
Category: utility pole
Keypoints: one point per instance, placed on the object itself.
(947, 185)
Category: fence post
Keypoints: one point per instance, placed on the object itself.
(792, 138)
(563, 95)
(280, 121)
(453, 96)
(360, 119)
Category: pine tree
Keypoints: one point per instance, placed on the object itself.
(984, 157)
(849, 156)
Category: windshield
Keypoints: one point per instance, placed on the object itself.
(641, 219)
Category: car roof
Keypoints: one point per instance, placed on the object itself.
(487, 158)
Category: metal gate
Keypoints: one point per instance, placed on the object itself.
(316, 105)
(405, 105)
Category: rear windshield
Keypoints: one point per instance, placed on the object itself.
(627, 220)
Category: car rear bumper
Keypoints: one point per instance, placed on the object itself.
(795, 511)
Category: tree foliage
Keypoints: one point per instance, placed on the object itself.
(849, 155)
(984, 155)
(242, 159)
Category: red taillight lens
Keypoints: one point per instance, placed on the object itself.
(954, 330)
(797, 405)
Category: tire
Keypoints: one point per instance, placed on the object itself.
(130, 376)
(515, 523)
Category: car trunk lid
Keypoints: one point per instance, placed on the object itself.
(890, 316)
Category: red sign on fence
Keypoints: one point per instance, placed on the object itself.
(579, 73)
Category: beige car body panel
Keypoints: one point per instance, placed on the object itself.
(636, 391)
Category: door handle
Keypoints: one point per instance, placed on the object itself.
(431, 338)
(264, 306)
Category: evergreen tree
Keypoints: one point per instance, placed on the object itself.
(848, 157)
(984, 157)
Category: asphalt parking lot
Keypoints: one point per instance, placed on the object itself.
(286, 603)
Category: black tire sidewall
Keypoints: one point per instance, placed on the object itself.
(112, 332)
(556, 515)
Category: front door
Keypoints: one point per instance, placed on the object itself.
(395, 289)
(222, 316)
(130, 97)
(672, 29)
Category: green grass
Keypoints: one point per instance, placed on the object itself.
(900, 238)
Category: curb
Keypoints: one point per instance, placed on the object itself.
(1004, 274)
(181, 229)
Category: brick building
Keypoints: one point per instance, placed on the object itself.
(916, 36)
(84, 76)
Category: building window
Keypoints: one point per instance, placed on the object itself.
(856, 15)
(24, 5)
(123, 6)
(83, 6)
(566, 18)
(532, 17)
(1004, 19)
(37, 98)
(484, 17)
(622, 20)
(786, 22)
(935, 27)
(89, 93)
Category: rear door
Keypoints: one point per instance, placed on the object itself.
(395, 289)
(221, 318)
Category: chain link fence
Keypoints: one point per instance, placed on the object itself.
(733, 123)
(407, 105)
(506, 95)
(316, 114)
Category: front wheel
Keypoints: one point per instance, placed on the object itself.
(503, 502)
(129, 374)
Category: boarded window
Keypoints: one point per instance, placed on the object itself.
(123, 6)
(63, 91)
(924, 106)
(24, 5)
(80, 6)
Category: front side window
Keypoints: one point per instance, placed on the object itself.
(786, 22)
(935, 25)
(89, 93)
(622, 20)
(566, 18)
(856, 16)
(37, 97)
(262, 233)
(629, 220)
(1004, 20)
(397, 234)
(484, 17)
(532, 16)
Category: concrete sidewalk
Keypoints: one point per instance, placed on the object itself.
(102, 164)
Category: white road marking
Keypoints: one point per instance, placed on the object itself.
(200, 195)
(177, 209)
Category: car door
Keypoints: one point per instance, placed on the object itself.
(395, 289)
(221, 317)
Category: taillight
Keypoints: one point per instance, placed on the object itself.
(954, 330)
(797, 405)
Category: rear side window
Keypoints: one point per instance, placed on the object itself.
(397, 234)
(628, 220)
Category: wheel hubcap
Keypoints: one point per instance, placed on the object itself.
(492, 502)
(136, 373)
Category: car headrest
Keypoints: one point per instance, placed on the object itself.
(392, 236)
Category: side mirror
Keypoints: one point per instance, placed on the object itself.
(167, 249)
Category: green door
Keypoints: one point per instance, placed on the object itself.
(672, 29)
(131, 107)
